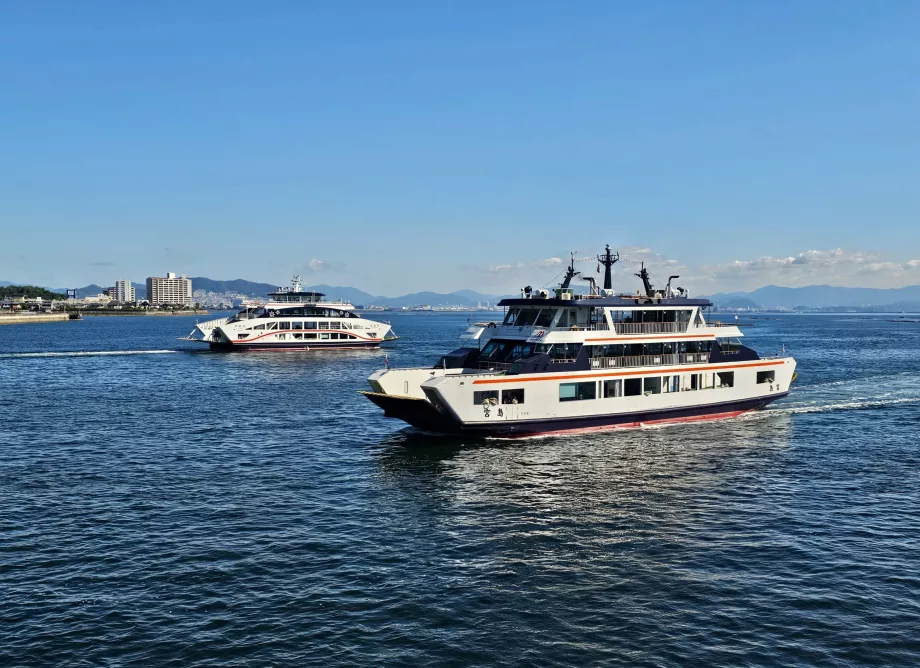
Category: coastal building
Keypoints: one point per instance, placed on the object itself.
(124, 292)
(169, 290)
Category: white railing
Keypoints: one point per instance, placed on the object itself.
(211, 324)
(650, 327)
(649, 360)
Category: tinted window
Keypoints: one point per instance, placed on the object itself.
(515, 396)
(490, 396)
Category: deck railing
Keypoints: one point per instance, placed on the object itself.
(649, 360)
(650, 327)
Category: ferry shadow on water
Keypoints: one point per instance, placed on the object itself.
(626, 454)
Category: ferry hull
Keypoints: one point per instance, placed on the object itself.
(224, 346)
(422, 414)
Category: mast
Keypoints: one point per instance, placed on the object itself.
(570, 273)
(608, 261)
(643, 274)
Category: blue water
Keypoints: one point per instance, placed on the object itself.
(166, 507)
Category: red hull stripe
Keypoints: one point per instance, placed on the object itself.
(632, 425)
(664, 369)
(649, 338)
(300, 350)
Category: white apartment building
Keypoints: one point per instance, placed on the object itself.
(124, 292)
(169, 290)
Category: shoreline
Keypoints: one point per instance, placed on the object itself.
(64, 316)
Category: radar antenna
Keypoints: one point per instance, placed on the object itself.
(296, 283)
(570, 272)
(608, 261)
(643, 274)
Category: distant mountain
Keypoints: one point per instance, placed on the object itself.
(819, 296)
(236, 285)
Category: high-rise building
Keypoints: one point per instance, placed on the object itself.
(124, 292)
(169, 290)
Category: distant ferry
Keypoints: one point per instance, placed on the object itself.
(565, 362)
(293, 319)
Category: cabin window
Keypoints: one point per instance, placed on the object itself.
(527, 318)
(257, 327)
(297, 336)
(729, 346)
(335, 325)
(271, 325)
(323, 325)
(564, 319)
(577, 391)
(373, 335)
(324, 336)
(520, 350)
(334, 335)
(310, 335)
(652, 385)
(695, 381)
(613, 388)
(485, 397)
(766, 376)
(708, 380)
(726, 379)
(309, 325)
(511, 316)
(632, 387)
(670, 384)
(242, 335)
(564, 352)
(667, 348)
(515, 396)
(296, 325)
(282, 337)
(545, 319)
(284, 325)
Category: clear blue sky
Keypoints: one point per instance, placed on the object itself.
(415, 145)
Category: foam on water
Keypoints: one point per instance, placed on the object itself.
(87, 353)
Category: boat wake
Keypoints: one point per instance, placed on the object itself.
(844, 395)
(87, 353)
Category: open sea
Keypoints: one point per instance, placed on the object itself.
(167, 506)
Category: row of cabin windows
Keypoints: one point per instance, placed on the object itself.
(535, 317)
(309, 336)
(332, 324)
(629, 387)
(509, 351)
(491, 397)
(502, 351)
(633, 387)
(650, 316)
(527, 317)
(307, 311)
(634, 349)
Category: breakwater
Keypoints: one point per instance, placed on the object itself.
(26, 318)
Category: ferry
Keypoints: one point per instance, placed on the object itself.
(293, 319)
(565, 362)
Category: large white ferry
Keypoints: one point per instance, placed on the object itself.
(293, 319)
(563, 362)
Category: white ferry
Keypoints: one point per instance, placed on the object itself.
(293, 319)
(564, 362)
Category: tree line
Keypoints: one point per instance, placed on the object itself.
(28, 291)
